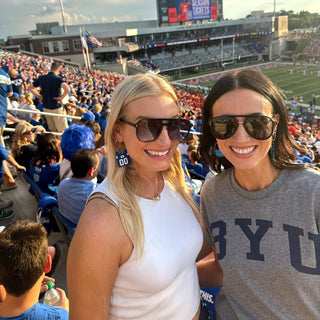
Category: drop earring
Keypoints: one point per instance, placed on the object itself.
(123, 159)
(217, 151)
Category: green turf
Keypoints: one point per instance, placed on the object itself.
(295, 84)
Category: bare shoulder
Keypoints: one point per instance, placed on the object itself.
(99, 228)
(99, 246)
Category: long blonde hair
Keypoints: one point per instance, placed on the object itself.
(19, 138)
(122, 179)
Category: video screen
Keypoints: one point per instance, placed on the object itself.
(187, 10)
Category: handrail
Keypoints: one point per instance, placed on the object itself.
(44, 113)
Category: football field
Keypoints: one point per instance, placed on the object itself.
(301, 80)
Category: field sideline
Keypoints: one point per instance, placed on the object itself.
(301, 80)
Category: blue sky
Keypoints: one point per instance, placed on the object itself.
(17, 17)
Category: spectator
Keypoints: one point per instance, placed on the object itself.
(77, 136)
(24, 260)
(263, 209)
(51, 85)
(18, 84)
(23, 146)
(44, 168)
(189, 140)
(5, 91)
(73, 192)
(87, 116)
(27, 105)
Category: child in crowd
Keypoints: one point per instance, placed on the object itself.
(24, 260)
(73, 192)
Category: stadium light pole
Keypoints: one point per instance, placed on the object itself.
(63, 21)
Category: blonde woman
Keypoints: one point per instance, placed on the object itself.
(23, 147)
(134, 251)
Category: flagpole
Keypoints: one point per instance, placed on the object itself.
(63, 21)
(83, 48)
(89, 64)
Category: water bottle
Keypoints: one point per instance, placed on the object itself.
(52, 296)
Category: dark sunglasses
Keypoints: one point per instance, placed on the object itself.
(33, 130)
(258, 127)
(148, 130)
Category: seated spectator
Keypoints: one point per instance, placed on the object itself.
(96, 109)
(94, 126)
(103, 121)
(73, 192)
(23, 147)
(24, 260)
(87, 116)
(28, 105)
(38, 120)
(189, 140)
(194, 167)
(44, 168)
(77, 136)
(78, 113)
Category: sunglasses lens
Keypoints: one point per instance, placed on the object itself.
(174, 127)
(259, 128)
(224, 127)
(150, 129)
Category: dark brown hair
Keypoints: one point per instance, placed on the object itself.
(47, 150)
(253, 80)
(23, 254)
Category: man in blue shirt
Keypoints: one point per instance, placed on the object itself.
(24, 260)
(51, 85)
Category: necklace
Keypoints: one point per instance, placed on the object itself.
(157, 197)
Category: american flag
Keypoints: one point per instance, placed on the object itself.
(93, 40)
(84, 42)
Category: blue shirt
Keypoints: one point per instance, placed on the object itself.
(44, 175)
(41, 312)
(72, 197)
(5, 88)
(3, 156)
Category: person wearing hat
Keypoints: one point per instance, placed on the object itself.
(87, 116)
(77, 136)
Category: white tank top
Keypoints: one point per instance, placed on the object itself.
(164, 283)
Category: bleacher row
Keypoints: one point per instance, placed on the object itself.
(313, 47)
(165, 61)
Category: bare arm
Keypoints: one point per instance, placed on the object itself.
(10, 117)
(35, 91)
(66, 90)
(99, 246)
(12, 161)
(209, 270)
